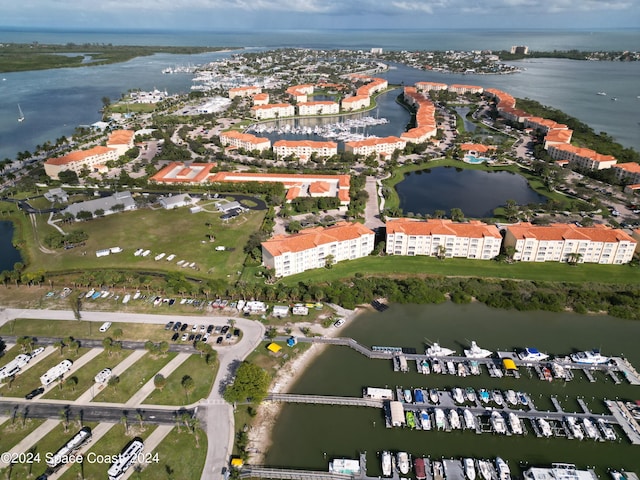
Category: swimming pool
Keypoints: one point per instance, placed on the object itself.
(468, 158)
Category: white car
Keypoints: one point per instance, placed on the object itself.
(339, 323)
(194, 329)
(37, 351)
(184, 337)
(105, 326)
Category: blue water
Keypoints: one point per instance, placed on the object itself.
(9, 255)
(474, 160)
(55, 102)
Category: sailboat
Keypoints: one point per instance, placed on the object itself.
(20, 114)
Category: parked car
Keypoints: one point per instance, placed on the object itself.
(184, 327)
(205, 337)
(210, 329)
(184, 337)
(219, 340)
(194, 328)
(176, 326)
(175, 336)
(105, 326)
(168, 326)
(225, 329)
(34, 393)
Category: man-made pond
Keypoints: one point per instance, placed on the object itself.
(476, 192)
(9, 254)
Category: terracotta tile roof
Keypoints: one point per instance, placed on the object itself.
(374, 141)
(79, 155)
(178, 172)
(472, 229)
(319, 187)
(630, 167)
(244, 137)
(121, 137)
(355, 98)
(478, 147)
(314, 237)
(271, 105)
(568, 231)
(304, 143)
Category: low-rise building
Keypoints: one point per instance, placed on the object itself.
(442, 238)
(244, 140)
(355, 102)
(315, 247)
(179, 172)
(273, 110)
(628, 173)
(93, 159)
(583, 158)
(118, 202)
(325, 107)
(246, 91)
(569, 243)
(121, 141)
(304, 149)
(380, 146)
(261, 99)
(177, 201)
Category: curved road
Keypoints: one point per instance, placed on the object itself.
(215, 413)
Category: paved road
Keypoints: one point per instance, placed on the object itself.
(372, 210)
(215, 414)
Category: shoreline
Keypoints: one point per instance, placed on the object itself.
(261, 433)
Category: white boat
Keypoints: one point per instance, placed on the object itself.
(558, 370)
(497, 398)
(407, 396)
(403, 462)
(474, 367)
(498, 423)
(470, 394)
(602, 94)
(138, 252)
(545, 427)
(589, 357)
(436, 366)
(171, 257)
(438, 470)
(484, 395)
(136, 295)
(576, 431)
(606, 429)
(451, 367)
(20, 114)
(433, 396)
(424, 367)
(435, 350)
(511, 397)
(522, 398)
(425, 421)
(458, 395)
(532, 355)
(105, 294)
(160, 256)
(440, 418)
(146, 253)
(469, 469)
(484, 466)
(90, 293)
(386, 463)
(126, 298)
(469, 419)
(515, 423)
(590, 429)
(504, 473)
(474, 351)
(462, 370)
(454, 419)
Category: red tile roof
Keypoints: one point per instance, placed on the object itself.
(313, 237)
(78, 155)
(568, 231)
(472, 229)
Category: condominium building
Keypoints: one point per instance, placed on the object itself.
(314, 247)
(244, 91)
(442, 238)
(431, 86)
(464, 89)
(273, 110)
(567, 242)
(93, 159)
(425, 117)
(583, 158)
(303, 149)
(628, 173)
(355, 103)
(244, 140)
(261, 99)
(325, 107)
(121, 140)
(179, 172)
(380, 146)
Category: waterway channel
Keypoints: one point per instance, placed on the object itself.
(307, 436)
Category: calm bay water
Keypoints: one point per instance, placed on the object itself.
(9, 254)
(304, 433)
(476, 192)
(56, 101)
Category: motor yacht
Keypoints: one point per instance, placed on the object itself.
(469, 469)
(470, 394)
(433, 396)
(458, 395)
(497, 398)
(498, 423)
(545, 427)
(515, 423)
(403, 462)
(454, 419)
(589, 357)
(531, 354)
(386, 463)
(511, 397)
(504, 473)
(425, 420)
(575, 429)
(484, 466)
(474, 351)
(469, 419)
(435, 350)
(440, 419)
(590, 429)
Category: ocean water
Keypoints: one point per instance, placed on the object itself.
(55, 102)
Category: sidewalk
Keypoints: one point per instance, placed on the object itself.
(149, 387)
(151, 443)
(119, 369)
(30, 440)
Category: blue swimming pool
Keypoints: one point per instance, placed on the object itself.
(468, 158)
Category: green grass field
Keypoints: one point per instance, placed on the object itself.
(82, 330)
(13, 431)
(180, 454)
(133, 378)
(30, 379)
(86, 374)
(111, 443)
(459, 267)
(9, 355)
(173, 394)
(177, 232)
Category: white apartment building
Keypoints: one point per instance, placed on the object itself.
(93, 159)
(303, 149)
(318, 108)
(380, 146)
(244, 140)
(355, 102)
(566, 242)
(627, 172)
(244, 91)
(273, 110)
(584, 158)
(312, 248)
(446, 238)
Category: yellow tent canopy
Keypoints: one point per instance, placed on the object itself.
(509, 364)
(237, 462)
(274, 347)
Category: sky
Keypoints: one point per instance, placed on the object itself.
(227, 15)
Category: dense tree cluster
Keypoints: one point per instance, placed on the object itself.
(251, 384)
(59, 240)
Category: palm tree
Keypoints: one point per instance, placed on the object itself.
(574, 258)
(188, 385)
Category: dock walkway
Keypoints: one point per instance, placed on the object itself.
(325, 400)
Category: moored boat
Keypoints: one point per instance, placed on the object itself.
(498, 399)
(433, 396)
(606, 429)
(418, 395)
(532, 355)
(515, 423)
(589, 357)
(420, 468)
(474, 351)
(454, 419)
(484, 466)
(425, 420)
(484, 395)
(411, 419)
(590, 429)
(504, 473)
(403, 462)
(424, 367)
(451, 367)
(386, 463)
(522, 398)
(435, 350)
(469, 469)
(546, 372)
(498, 423)
(576, 430)
(470, 394)
(436, 366)
(511, 397)
(440, 418)
(407, 396)
(458, 395)
(545, 427)
(469, 419)
(462, 370)
(438, 470)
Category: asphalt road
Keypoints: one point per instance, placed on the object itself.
(126, 345)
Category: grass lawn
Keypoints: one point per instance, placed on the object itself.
(30, 379)
(133, 378)
(9, 355)
(49, 444)
(82, 330)
(112, 444)
(176, 232)
(179, 454)
(459, 267)
(11, 433)
(173, 394)
(86, 375)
